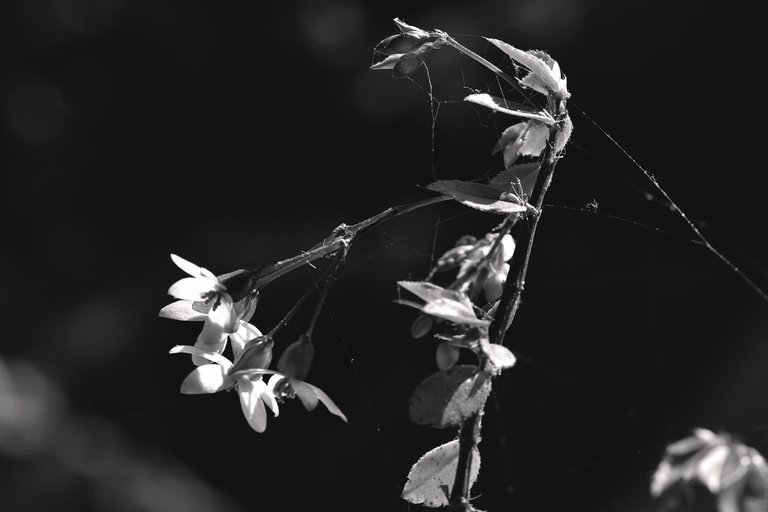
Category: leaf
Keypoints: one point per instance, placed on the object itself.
(510, 107)
(519, 179)
(534, 140)
(453, 311)
(430, 480)
(499, 355)
(387, 63)
(480, 197)
(427, 291)
(449, 396)
(404, 27)
(550, 76)
(563, 135)
(411, 61)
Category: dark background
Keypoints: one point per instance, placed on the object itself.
(236, 134)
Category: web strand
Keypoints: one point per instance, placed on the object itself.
(675, 208)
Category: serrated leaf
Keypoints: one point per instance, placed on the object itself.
(453, 311)
(431, 479)
(427, 291)
(519, 179)
(510, 135)
(481, 197)
(550, 76)
(534, 140)
(509, 107)
(448, 397)
(404, 27)
(563, 135)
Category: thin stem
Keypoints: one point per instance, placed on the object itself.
(287, 318)
(341, 237)
(469, 434)
(323, 295)
(469, 437)
(513, 288)
(472, 55)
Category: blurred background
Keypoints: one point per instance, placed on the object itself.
(239, 133)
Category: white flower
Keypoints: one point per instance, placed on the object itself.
(222, 316)
(216, 376)
(281, 386)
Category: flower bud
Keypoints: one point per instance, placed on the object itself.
(400, 43)
(446, 355)
(296, 359)
(421, 326)
(494, 283)
(257, 354)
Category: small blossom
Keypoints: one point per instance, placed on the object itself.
(221, 374)
(203, 286)
(282, 386)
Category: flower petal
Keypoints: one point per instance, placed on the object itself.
(190, 288)
(244, 333)
(253, 408)
(192, 269)
(267, 396)
(309, 395)
(208, 378)
(211, 339)
(181, 310)
(223, 313)
(210, 356)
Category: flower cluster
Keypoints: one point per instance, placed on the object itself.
(225, 305)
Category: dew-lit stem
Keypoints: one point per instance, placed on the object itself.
(341, 238)
(469, 434)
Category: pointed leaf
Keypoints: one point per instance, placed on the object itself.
(427, 291)
(430, 480)
(404, 27)
(481, 197)
(509, 107)
(518, 178)
(453, 311)
(448, 397)
(535, 140)
(553, 80)
(388, 62)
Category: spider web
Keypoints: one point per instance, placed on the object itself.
(655, 424)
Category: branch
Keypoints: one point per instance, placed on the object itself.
(341, 237)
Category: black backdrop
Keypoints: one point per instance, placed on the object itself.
(237, 134)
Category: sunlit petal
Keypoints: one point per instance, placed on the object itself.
(208, 378)
(190, 288)
(210, 356)
(187, 266)
(325, 399)
(223, 313)
(274, 380)
(244, 333)
(182, 310)
(267, 397)
(253, 408)
(210, 339)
